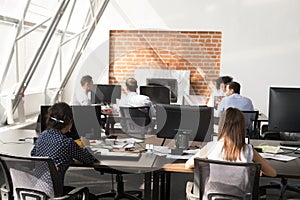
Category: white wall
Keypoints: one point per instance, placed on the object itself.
(261, 39)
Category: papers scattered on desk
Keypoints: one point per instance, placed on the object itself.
(279, 157)
(183, 157)
(166, 151)
(270, 149)
(161, 150)
(290, 148)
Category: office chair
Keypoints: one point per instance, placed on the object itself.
(34, 178)
(251, 118)
(120, 193)
(224, 180)
(283, 185)
(135, 121)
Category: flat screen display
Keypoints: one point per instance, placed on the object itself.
(172, 84)
(157, 94)
(107, 94)
(198, 120)
(284, 109)
(86, 121)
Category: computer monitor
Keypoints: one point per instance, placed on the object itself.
(157, 94)
(107, 94)
(86, 121)
(172, 84)
(196, 119)
(284, 109)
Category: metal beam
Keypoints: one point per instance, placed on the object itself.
(40, 52)
(80, 50)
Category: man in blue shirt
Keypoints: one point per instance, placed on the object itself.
(235, 100)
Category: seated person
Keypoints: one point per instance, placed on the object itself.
(230, 145)
(53, 142)
(133, 99)
(220, 92)
(84, 95)
(235, 100)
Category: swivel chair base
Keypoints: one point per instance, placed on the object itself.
(120, 193)
(283, 186)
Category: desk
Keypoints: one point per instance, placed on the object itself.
(166, 166)
(11, 145)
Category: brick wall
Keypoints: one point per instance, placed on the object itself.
(197, 51)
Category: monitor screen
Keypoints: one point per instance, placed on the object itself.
(196, 119)
(86, 121)
(284, 109)
(172, 84)
(157, 94)
(107, 94)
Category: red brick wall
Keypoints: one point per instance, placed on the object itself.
(197, 51)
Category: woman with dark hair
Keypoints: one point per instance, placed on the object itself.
(231, 145)
(53, 142)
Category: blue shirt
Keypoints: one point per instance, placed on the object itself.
(51, 143)
(237, 101)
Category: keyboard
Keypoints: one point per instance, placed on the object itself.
(290, 143)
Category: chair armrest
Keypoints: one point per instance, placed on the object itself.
(76, 192)
(189, 191)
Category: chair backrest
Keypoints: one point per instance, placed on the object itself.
(226, 180)
(251, 118)
(135, 120)
(31, 177)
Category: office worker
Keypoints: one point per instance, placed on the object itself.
(235, 100)
(220, 92)
(84, 95)
(133, 99)
(53, 143)
(231, 145)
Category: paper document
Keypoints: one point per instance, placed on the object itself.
(183, 157)
(279, 157)
(270, 149)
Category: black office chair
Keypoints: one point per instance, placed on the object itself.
(251, 118)
(135, 121)
(283, 185)
(34, 178)
(224, 180)
(120, 193)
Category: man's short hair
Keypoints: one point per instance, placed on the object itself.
(235, 86)
(131, 84)
(86, 79)
(223, 79)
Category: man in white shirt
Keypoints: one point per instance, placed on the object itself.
(133, 99)
(220, 92)
(235, 100)
(84, 95)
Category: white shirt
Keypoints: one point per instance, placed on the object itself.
(213, 150)
(81, 97)
(134, 99)
(217, 93)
